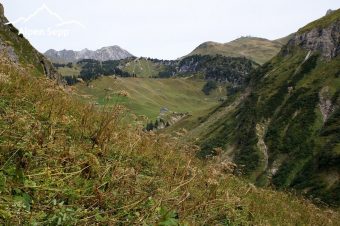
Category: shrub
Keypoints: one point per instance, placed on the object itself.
(209, 86)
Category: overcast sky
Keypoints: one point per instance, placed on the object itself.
(165, 29)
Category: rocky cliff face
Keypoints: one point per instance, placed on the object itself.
(8, 51)
(233, 70)
(286, 131)
(103, 54)
(323, 40)
(2, 15)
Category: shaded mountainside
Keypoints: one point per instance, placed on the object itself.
(259, 50)
(20, 51)
(231, 70)
(223, 69)
(103, 54)
(284, 130)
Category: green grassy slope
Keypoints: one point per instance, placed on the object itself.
(278, 134)
(22, 48)
(143, 68)
(322, 22)
(26, 55)
(67, 71)
(257, 49)
(283, 41)
(63, 162)
(147, 96)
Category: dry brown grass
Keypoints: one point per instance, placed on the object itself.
(65, 163)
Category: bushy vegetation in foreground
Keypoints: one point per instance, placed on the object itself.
(66, 163)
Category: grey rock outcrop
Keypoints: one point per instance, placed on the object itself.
(325, 103)
(50, 71)
(3, 19)
(8, 51)
(164, 121)
(325, 41)
(329, 12)
(103, 54)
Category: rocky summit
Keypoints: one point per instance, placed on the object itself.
(324, 40)
(103, 54)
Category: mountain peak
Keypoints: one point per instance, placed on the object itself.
(208, 44)
(3, 19)
(103, 54)
(1, 10)
(257, 49)
(111, 47)
(329, 11)
(250, 38)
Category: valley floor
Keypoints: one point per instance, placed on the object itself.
(147, 96)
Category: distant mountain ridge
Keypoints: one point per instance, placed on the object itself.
(257, 49)
(106, 53)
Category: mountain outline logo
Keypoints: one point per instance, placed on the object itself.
(54, 30)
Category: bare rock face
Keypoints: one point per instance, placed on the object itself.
(8, 51)
(329, 12)
(326, 41)
(325, 103)
(103, 54)
(1, 9)
(50, 71)
(169, 119)
(3, 19)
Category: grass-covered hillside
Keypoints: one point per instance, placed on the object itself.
(145, 96)
(63, 162)
(144, 68)
(233, 70)
(66, 162)
(285, 131)
(192, 85)
(322, 22)
(16, 48)
(257, 49)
